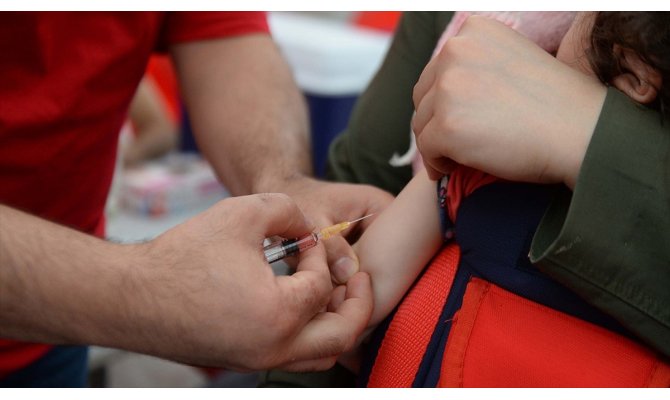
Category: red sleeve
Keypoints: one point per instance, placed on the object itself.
(187, 26)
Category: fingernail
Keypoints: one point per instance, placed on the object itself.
(344, 268)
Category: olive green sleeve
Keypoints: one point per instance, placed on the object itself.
(380, 122)
(609, 240)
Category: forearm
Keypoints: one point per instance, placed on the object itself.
(61, 286)
(249, 118)
(200, 293)
(399, 244)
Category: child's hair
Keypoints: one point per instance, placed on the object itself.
(646, 33)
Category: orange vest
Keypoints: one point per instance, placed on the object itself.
(499, 339)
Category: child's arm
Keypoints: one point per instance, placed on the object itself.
(399, 243)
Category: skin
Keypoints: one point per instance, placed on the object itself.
(508, 132)
(199, 293)
(271, 147)
(202, 293)
(393, 267)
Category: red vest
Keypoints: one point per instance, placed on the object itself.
(499, 339)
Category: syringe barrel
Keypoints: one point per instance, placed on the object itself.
(288, 247)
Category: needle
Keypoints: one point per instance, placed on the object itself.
(284, 248)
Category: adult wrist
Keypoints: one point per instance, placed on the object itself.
(280, 183)
(584, 118)
(128, 318)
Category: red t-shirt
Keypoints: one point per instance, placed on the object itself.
(66, 80)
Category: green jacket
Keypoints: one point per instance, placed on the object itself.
(609, 241)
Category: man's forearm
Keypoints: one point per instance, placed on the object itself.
(248, 115)
(58, 285)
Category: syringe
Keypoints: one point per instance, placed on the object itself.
(288, 247)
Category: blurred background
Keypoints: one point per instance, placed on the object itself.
(161, 180)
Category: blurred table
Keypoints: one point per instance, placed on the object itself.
(127, 227)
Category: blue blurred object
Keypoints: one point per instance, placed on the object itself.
(328, 116)
(61, 367)
(332, 62)
(187, 142)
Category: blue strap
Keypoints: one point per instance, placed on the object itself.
(62, 366)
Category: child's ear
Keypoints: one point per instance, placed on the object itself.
(639, 80)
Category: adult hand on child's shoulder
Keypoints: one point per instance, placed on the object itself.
(495, 101)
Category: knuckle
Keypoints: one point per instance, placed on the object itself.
(263, 199)
(448, 79)
(422, 143)
(312, 296)
(279, 202)
(284, 202)
(447, 122)
(472, 21)
(282, 198)
(255, 204)
(416, 92)
(448, 49)
(284, 324)
(416, 129)
(332, 345)
(453, 49)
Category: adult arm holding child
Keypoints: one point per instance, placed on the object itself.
(546, 122)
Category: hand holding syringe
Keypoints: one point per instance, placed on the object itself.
(288, 247)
